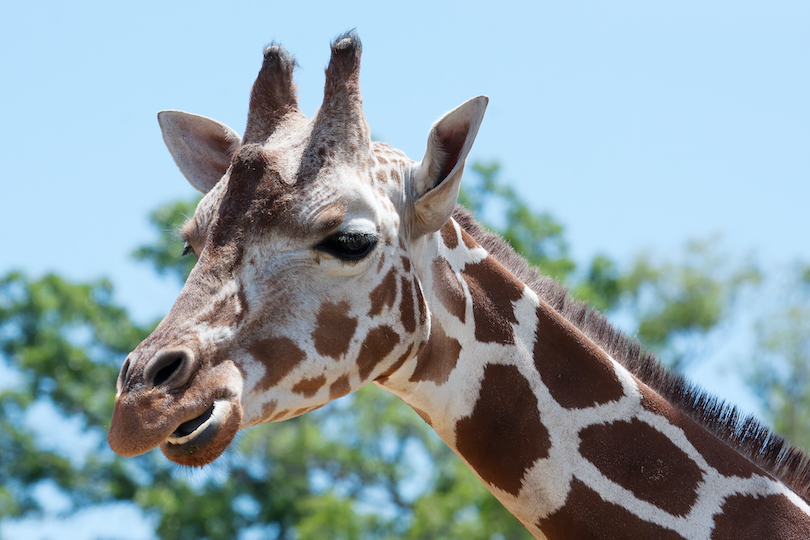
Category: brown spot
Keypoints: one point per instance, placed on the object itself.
(493, 290)
(468, 240)
(438, 358)
(309, 387)
(586, 516)
(339, 388)
(746, 517)
(504, 435)
(447, 288)
(645, 462)
(381, 176)
(406, 265)
(279, 415)
(378, 344)
(576, 372)
(383, 378)
(420, 302)
(423, 415)
(279, 356)
(406, 306)
(268, 409)
(449, 235)
(302, 410)
(384, 294)
(335, 329)
(396, 177)
(717, 454)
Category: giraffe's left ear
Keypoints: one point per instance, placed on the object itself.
(437, 178)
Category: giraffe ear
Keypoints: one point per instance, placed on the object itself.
(201, 147)
(438, 176)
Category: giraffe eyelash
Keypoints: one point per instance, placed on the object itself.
(349, 246)
(187, 249)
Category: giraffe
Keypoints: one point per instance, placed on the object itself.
(327, 261)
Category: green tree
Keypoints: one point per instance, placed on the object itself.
(674, 304)
(64, 341)
(780, 368)
(166, 253)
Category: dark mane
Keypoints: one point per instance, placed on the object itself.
(746, 434)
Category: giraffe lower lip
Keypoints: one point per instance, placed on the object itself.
(203, 439)
(191, 429)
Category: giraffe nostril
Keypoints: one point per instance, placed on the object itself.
(165, 372)
(123, 377)
(169, 365)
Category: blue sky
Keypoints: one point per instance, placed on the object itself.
(637, 124)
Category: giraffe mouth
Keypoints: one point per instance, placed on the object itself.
(190, 430)
(200, 440)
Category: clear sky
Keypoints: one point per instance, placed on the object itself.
(637, 124)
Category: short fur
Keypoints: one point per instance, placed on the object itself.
(771, 452)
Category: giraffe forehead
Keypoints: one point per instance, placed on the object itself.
(262, 197)
(296, 181)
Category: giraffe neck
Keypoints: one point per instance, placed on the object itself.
(565, 437)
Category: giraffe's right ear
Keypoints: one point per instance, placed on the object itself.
(437, 178)
(201, 147)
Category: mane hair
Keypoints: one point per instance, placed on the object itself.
(744, 433)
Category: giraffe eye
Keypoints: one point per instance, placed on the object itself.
(349, 246)
(187, 249)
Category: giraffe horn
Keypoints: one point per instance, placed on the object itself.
(343, 72)
(342, 107)
(273, 97)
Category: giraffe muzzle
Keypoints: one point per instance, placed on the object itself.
(191, 410)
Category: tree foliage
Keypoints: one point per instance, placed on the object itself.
(674, 304)
(166, 253)
(365, 466)
(780, 369)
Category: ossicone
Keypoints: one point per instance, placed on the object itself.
(273, 97)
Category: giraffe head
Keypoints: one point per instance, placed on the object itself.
(304, 288)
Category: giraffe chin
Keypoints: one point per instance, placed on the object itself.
(201, 440)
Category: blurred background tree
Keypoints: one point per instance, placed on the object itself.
(365, 466)
(780, 372)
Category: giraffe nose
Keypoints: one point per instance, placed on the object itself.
(171, 367)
